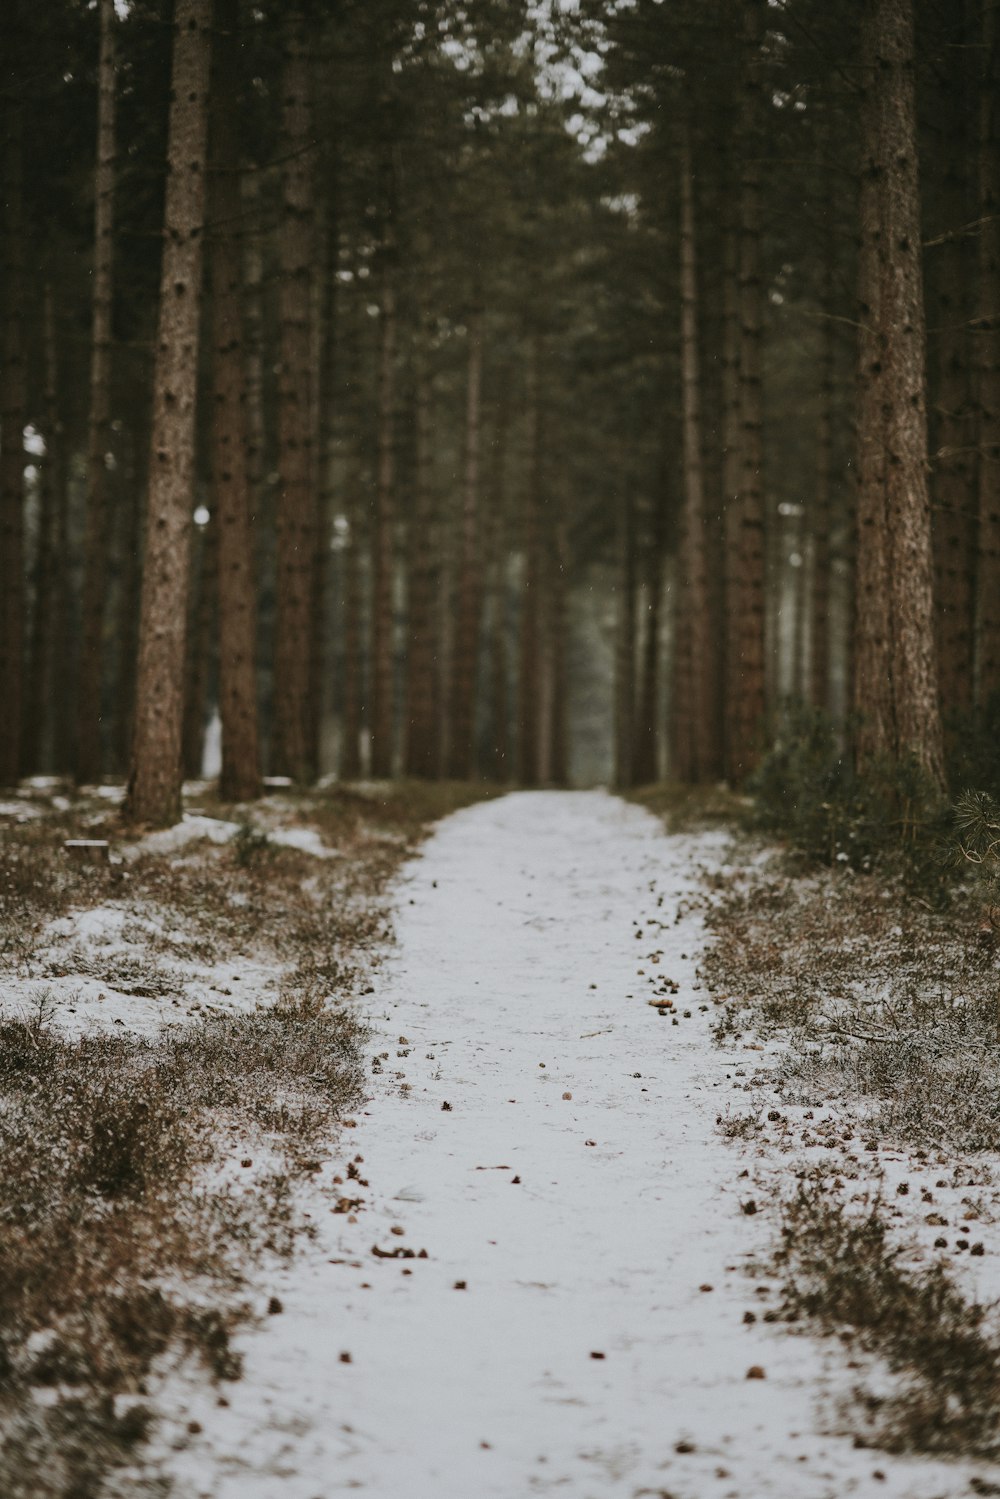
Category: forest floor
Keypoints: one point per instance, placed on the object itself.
(634, 1116)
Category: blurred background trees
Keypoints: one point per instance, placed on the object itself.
(538, 401)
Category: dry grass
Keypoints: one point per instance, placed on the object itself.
(121, 1243)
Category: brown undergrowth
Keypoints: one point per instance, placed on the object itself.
(130, 1232)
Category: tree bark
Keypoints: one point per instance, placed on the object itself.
(12, 419)
(896, 688)
(529, 675)
(625, 644)
(646, 737)
(89, 749)
(819, 530)
(383, 534)
(422, 703)
(558, 617)
(154, 795)
(497, 765)
(297, 511)
(987, 360)
(36, 750)
(693, 666)
(199, 648)
(465, 650)
(239, 779)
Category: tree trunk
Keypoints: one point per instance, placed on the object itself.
(732, 439)
(987, 345)
(498, 754)
(645, 747)
(296, 516)
(240, 775)
(558, 616)
(819, 530)
(693, 645)
(383, 534)
(625, 644)
(422, 710)
(465, 650)
(749, 704)
(36, 750)
(136, 452)
(89, 755)
(895, 680)
(155, 785)
(529, 676)
(199, 649)
(12, 418)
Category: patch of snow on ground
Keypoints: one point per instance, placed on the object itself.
(193, 825)
(306, 840)
(577, 1326)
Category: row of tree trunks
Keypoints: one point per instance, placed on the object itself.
(154, 794)
(895, 675)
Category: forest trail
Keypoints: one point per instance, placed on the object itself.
(577, 1326)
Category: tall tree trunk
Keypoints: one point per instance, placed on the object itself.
(952, 419)
(465, 651)
(326, 321)
(383, 533)
(646, 740)
(732, 440)
(558, 618)
(987, 345)
(694, 758)
(155, 785)
(240, 775)
(625, 644)
(89, 756)
(130, 539)
(199, 649)
(749, 704)
(12, 419)
(36, 745)
(529, 675)
(498, 753)
(896, 689)
(352, 680)
(296, 517)
(820, 518)
(422, 702)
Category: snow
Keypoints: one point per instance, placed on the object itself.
(576, 1185)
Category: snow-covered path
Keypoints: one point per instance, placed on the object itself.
(577, 1326)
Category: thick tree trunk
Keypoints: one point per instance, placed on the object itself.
(693, 758)
(422, 703)
(240, 775)
(895, 681)
(529, 714)
(89, 750)
(155, 784)
(12, 419)
(987, 346)
(296, 516)
(465, 649)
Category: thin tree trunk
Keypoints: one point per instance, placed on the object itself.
(625, 644)
(895, 632)
(558, 613)
(36, 749)
(383, 532)
(129, 599)
(497, 764)
(819, 529)
(693, 668)
(529, 675)
(749, 704)
(155, 784)
(465, 651)
(645, 748)
(732, 438)
(319, 675)
(239, 779)
(199, 648)
(12, 420)
(89, 756)
(296, 517)
(987, 345)
(422, 701)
